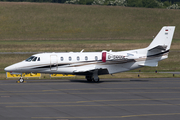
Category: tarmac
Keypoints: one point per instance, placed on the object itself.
(126, 99)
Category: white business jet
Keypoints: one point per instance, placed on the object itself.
(93, 64)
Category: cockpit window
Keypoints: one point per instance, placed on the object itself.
(38, 59)
(34, 59)
(30, 58)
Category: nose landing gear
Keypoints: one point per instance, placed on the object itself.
(21, 80)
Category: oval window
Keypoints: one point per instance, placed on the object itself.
(70, 58)
(86, 58)
(62, 58)
(96, 58)
(78, 58)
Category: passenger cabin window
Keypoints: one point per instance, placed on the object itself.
(70, 58)
(30, 58)
(96, 58)
(62, 58)
(86, 58)
(78, 58)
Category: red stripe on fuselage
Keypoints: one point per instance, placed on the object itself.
(104, 56)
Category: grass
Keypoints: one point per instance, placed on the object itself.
(75, 45)
(141, 75)
(51, 21)
(70, 45)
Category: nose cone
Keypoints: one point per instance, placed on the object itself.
(10, 68)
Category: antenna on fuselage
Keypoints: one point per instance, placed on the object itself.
(82, 50)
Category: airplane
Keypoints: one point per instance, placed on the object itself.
(93, 64)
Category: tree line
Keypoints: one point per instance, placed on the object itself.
(128, 3)
(152, 3)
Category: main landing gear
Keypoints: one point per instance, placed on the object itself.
(92, 79)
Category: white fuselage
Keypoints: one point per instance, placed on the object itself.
(82, 62)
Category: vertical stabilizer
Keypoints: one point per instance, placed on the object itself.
(163, 38)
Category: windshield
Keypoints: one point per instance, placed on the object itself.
(34, 59)
(30, 58)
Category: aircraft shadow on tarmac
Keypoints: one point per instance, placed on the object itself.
(113, 80)
(85, 81)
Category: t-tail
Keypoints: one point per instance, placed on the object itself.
(159, 47)
(162, 42)
(163, 39)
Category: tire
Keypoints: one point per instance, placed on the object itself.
(89, 78)
(96, 80)
(21, 80)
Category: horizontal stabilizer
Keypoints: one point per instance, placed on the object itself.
(149, 64)
(159, 47)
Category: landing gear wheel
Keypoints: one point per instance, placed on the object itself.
(89, 78)
(97, 80)
(21, 80)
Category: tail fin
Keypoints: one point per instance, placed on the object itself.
(163, 39)
(159, 47)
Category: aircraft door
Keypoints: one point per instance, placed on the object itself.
(53, 63)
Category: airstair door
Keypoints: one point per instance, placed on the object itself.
(53, 63)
